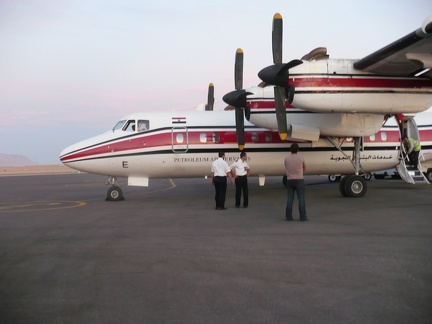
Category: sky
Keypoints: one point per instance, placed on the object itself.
(70, 70)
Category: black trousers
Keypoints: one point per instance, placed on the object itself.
(220, 184)
(413, 157)
(241, 184)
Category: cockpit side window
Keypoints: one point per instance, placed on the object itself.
(143, 125)
(129, 126)
(119, 125)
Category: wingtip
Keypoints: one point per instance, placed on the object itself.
(283, 136)
(277, 16)
(241, 147)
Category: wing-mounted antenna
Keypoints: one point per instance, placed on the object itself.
(237, 99)
(278, 75)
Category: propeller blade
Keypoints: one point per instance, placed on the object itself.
(277, 38)
(279, 94)
(240, 128)
(238, 69)
(290, 93)
(210, 98)
(247, 113)
(237, 99)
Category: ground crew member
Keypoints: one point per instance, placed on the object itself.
(412, 148)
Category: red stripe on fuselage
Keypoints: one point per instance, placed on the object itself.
(360, 82)
(155, 140)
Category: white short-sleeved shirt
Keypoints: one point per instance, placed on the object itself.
(240, 167)
(220, 168)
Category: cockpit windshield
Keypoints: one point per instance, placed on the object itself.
(119, 125)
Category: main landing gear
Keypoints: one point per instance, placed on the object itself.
(114, 192)
(352, 185)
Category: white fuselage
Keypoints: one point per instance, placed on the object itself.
(184, 144)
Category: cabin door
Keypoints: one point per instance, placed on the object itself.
(180, 139)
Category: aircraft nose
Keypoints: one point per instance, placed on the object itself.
(65, 152)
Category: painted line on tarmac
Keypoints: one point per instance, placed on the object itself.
(31, 206)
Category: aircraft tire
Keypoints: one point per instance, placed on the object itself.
(114, 194)
(367, 176)
(342, 186)
(334, 178)
(429, 175)
(355, 186)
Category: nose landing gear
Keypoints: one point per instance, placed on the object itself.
(114, 193)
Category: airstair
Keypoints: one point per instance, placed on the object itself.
(408, 173)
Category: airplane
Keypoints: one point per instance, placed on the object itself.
(334, 109)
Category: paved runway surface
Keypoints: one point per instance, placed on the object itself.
(164, 255)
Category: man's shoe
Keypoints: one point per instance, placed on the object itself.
(237, 206)
(289, 219)
(303, 219)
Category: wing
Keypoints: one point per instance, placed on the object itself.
(407, 56)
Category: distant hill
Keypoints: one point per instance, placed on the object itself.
(14, 160)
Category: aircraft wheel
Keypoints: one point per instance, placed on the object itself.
(342, 186)
(334, 178)
(367, 176)
(114, 194)
(429, 175)
(355, 186)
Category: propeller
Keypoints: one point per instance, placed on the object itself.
(210, 98)
(237, 98)
(278, 75)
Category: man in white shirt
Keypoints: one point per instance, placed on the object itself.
(241, 172)
(220, 170)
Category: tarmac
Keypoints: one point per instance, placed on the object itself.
(165, 255)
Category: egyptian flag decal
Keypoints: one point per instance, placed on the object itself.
(179, 120)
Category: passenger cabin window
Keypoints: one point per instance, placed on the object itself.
(179, 138)
(268, 137)
(384, 136)
(203, 137)
(215, 138)
(255, 137)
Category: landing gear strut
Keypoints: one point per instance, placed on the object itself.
(353, 185)
(114, 192)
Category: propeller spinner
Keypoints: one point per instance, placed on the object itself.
(237, 98)
(278, 75)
